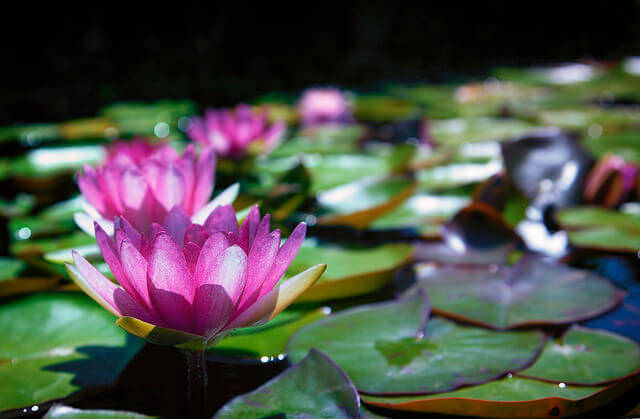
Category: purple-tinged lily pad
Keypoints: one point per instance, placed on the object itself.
(532, 292)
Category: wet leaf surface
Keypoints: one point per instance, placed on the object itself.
(315, 387)
(531, 292)
(586, 357)
(386, 349)
(350, 271)
(54, 344)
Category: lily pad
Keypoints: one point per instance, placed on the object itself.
(531, 292)
(359, 203)
(10, 268)
(59, 411)
(54, 344)
(267, 342)
(423, 212)
(350, 271)
(601, 228)
(586, 357)
(462, 130)
(506, 398)
(455, 175)
(391, 348)
(315, 387)
(329, 171)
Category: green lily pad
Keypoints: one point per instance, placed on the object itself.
(606, 238)
(59, 411)
(456, 175)
(322, 140)
(44, 162)
(350, 271)
(31, 247)
(266, 342)
(586, 357)
(531, 292)
(316, 387)
(359, 203)
(506, 398)
(10, 268)
(328, 171)
(54, 344)
(601, 228)
(423, 212)
(583, 217)
(390, 348)
(454, 132)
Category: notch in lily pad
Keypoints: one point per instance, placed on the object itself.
(393, 348)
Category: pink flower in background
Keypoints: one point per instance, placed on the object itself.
(201, 280)
(610, 181)
(324, 106)
(143, 182)
(235, 133)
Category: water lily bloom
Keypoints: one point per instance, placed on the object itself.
(321, 106)
(143, 182)
(234, 133)
(189, 284)
(610, 181)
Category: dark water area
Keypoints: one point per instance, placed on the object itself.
(66, 63)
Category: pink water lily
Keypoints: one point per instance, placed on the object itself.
(233, 133)
(610, 181)
(324, 106)
(143, 182)
(189, 284)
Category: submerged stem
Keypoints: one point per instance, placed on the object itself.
(196, 383)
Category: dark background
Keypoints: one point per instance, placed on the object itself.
(64, 64)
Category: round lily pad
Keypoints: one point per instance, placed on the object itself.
(531, 292)
(387, 348)
(506, 398)
(587, 357)
(316, 387)
(350, 271)
(267, 342)
(54, 344)
(358, 203)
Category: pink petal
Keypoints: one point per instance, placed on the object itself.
(248, 229)
(170, 283)
(285, 256)
(262, 231)
(208, 259)
(88, 184)
(223, 218)
(167, 183)
(205, 179)
(259, 263)
(197, 234)
(105, 292)
(111, 255)
(134, 266)
(191, 253)
(216, 297)
(186, 165)
(133, 189)
(176, 224)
